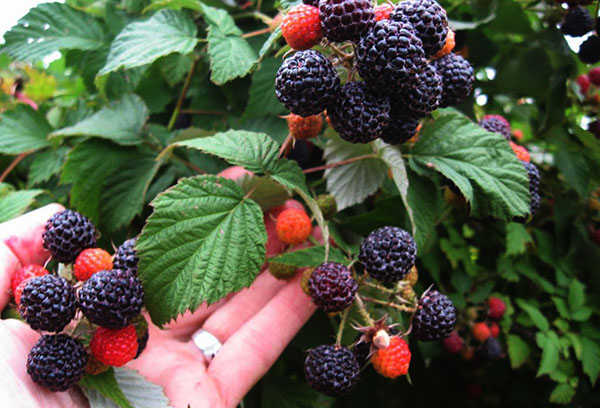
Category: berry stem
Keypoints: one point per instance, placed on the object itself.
(256, 33)
(203, 112)
(13, 164)
(186, 87)
(256, 15)
(340, 332)
(363, 311)
(382, 288)
(341, 163)
(389, 304)
(285, 144)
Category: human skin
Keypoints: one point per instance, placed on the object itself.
(254, 325)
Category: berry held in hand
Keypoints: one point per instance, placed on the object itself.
(332, 287)
(67, 233)
(293, 226)
(331, 370)
(48, 303)
(126, 258)
(114, 347)
(90, 261)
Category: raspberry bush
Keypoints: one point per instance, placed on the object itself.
(444, 154)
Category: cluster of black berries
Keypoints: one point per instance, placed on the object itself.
(387, 255)
(405, 61)
(577, 23)
(109, 298)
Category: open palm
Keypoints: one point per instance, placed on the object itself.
(254, 325)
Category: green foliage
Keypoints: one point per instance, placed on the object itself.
(22, 130)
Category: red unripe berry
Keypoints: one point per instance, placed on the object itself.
(496, 308)
(518, 134)
(304, 128)
(90, 261)
(521, 152)
(383, 11)
(594, 76)
(494, 329)
(584, 83)
(293, 226)
(392, 361)
(301, 27)
(114, 347)
(25, 273)
(481, 331)
(453, 344)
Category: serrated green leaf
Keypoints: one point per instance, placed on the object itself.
(230, 55)
(481, 164)
(107, 387)
(125, 194)
(174, 5)
(352, 183)
(139, 391)
(562, 394)
(142, 42)
(262, 100)
(46, 164)
(15, 203)
(517, 239)
(289, 174)
(121, 122)
(576, 295)
(518, 351)
(590, 358)
(534, 314)
(175, 67)
(23, 129)
(270, 42)
(310, 257)
(52, 27)
(550, 345)
(203, 241)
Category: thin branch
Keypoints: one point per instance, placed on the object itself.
(363, 310)
(338, 338)
(186, 87)
(188, 164)
(203, 112)
(338, 164)
(285, 144)
(13, 164)
(256, 33)
(389, 304)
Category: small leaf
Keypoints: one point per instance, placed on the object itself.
(203, 241)
(142, 42)
(581, 314)
(122, 122)
(262, 99)
(550, 345)
(230, 55)
(15, 203)
(23, 129)
(518, 351)
(481, 164)
(534, 314)
(310, 257)
(562, 394)
(590, 359)
(352, 183)
(46, 164)
(576, 295)
(52, 27)
(270, 42)
(105, 387)
(517, 239)
(561, 307)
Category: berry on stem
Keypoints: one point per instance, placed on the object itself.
(453, 344)
(90, 261)
(496, 124)
(494, 329)
(301, 27)
(388, 254)
(481, 331)
(457, 78)
(428, 19)
(331, 370)
(435, 317)
(67, 233)
(343, 20)
(126, 258)
(48, 303)
(293, 226)
(114, 347)
(304, 128)
(332, 287)
(496, 308)
(521, 152)
(392, 361)
(25, 273)
(583, 81)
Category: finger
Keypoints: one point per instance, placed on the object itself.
(23, 235)
(9, 264)
(189, 322)
(250, 352)
(242, 306)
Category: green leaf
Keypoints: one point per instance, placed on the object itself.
(534, 314)
(125, 194)
(15, 203)
(575, 170)
(562, 394)
(517, 239)
(581, 314)
(352, 183)
(121, 122)
(270, 42)
(481, 164)
(576, 295)
(310, 257)
(262, 99)
(561, 307)
(174, 5)
(550, 345)
(230, 55)
(107, 386)
(288, 173)
(52, 27)
(46, 164)
(143, 42)
(203, 241)
(590, 358)
(265, 191)
(518, 351)
(23, 129)
(425, 200)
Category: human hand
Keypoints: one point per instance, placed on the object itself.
(254, 325)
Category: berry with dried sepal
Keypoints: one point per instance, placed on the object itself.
(304, 128)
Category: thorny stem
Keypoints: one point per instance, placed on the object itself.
(380, 288)
(13, 164)
(389, 304)
(186, 87)
(363, 310)
(343, 55)
(341, 163)
(256, 33)
(338, 338)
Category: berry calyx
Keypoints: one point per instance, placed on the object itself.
(303, 128)
(481, 331)
(114, 347)
(332, 287)
(327, 205)
(331, 370)
(90, 261)
(25, 273)
(521, 152)
(293, 226)
(394, 360)
(301, 27)
(496, 308)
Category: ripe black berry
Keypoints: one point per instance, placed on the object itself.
(57, 362)
(390, 56)
(435, 317)
(577, 22)
(388, 254)
(48, 303)
(490, 350)
(589, 51)
(332, 287)
(399, 131)
(429, 20)
(358, 115)
(422, 99)
(67, 233)
(331, 370)
(345, 20)
(126, 258)
(496, 124)
(111, 299)
(534, 186)
(306, 83)
(457, 78)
